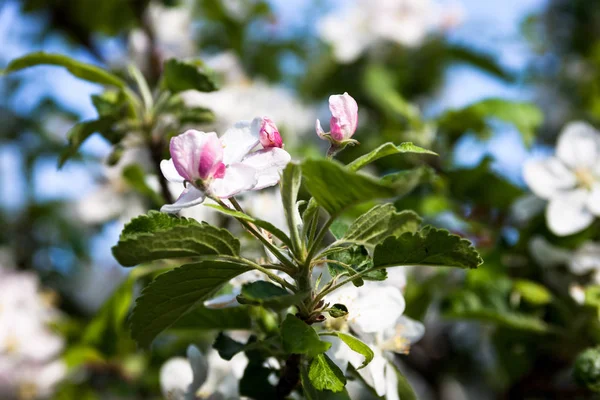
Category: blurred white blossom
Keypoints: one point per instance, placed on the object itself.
(570, 180)
(362, 24)
(242, 99)
(201, 376)
(29, 350)
(171, 29)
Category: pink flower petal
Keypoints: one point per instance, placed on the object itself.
(185, 152)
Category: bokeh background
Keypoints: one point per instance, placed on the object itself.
(415, 76)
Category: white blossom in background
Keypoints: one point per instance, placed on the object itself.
(362, 24)
(375, 315)
(570, 180)
(172, 31)
(114, 198)
(201, 376)
(30, 366)
(239, 98)
(582, 261)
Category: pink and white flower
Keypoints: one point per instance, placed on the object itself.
(224, 166)
(344, 119)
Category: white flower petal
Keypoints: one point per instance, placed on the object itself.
(567, 213)
(548, 177)
(391, 383)
(593, 200)
(410, 329)
(268, 164)
(377, 309)
(188, 198)
(199, 365)
(170, 172)
(238, 141)
(579, 145)
(585, 259)
(176, 375)
(238, 178)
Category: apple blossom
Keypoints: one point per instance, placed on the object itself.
(570, 180)
(375, 316)
(221, 167)
(184, 378)
(363, 24)
(29, 349)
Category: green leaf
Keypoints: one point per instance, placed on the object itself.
(81, 70)
(406, 181)
(202, 318)
(291, 179)
(336, 188)
(269, 227)
(255, 382)
(269, 295)
(111, 103)
(532, 292)
(508, 319)
(300, 338)
(405, 390)
(325, 375)
(310, 219)
(355, 345)
(484, 62)
(380, 222)
(339, 228)
(429, 246)
(526, 117)
(172, 294)
(108, 329)
(354, 259)
(158, 236)
(337, 310)
(181, 75)
(79, 133)
(227, 347)
(385, 150)
(311, 393)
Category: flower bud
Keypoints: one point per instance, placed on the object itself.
(344, 116)
(343, 123)
(269, 135)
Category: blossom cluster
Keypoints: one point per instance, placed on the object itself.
(30, 366)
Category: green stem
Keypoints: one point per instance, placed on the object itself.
(325, 292)
(142, 86)
(270, 274)
(317, 242)
(250, 227)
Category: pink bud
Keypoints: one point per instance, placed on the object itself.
(269, 135)
(344, 119)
